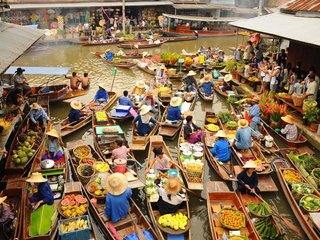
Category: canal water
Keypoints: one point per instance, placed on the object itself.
(80, 59)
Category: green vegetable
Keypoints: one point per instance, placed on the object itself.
(225, 117)
(232, 124)
(41, 220)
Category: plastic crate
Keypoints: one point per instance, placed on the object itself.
(122, 108)
(83, 234)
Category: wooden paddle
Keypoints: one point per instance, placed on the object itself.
(194, 193)
(138, 230)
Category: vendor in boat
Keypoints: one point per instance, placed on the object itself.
(120, 151)
(174, 113)
(6, 219)
(221, 148)
(150, 99)
(101, 95)
(75, 114)
(145, 122)
(38, 115)
(124, 100)
(14, 101)
(85, 81)
(192, 133)
(161, 74)
(161, 161)
(136, 50)
(44, 195)
(118, 197)
(290, 130)
(170, 198)
(227, 83)
(53, 146)
(220, 56)
(243, 139)
(248, 179)
(108, 54)
(189, 82)
(207, 85)
(74, 81)
(20, 81)
(140, 88)
(254, 114)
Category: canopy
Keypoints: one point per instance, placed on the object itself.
(40, 70)
(202, 19)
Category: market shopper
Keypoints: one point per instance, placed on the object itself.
(192, 133)
(144, 121)
(248, 179)
(189, 82)
(174, 113)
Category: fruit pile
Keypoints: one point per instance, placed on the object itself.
(176, 222)
(101, 116)
(89, 161)
(301, 188)
(96, 188)
(73, 206)
(82, 151)
(266, 229)
(310, 202)
(261, 209)
(85, 170)
(27, 146)
(212, 120)
(73, 225)
(212, 127)
(101, 167)
(292, 176)
(232, 219)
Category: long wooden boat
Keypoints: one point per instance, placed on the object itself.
(146, 69)
(302, 216)
(67, 128)
(204, 97)
(219, 198)
(121, 64)
(224, 170)
(123, 227)
(54, 93)
(179, 39)
(126, 56)
(221, 93)
(89, 43)
(176, 76)
(141, 45)
(157, 141)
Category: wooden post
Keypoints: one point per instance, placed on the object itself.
(124, 17)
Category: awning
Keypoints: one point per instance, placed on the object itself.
(286, 26)
(40, 70)
(86, 4)
(14, 41)
(202, 19)
(202, 6)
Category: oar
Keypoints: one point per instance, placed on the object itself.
(138, 230)
(194, 193)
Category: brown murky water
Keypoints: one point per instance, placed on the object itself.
(81, 60)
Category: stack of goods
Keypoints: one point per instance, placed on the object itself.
(74, 228)
(292, 176)
(177, 221)
(101, 116)
(266, 229)
(73, 206)
(232, 219)
(97, 187)
(260, 210)
(151, 190)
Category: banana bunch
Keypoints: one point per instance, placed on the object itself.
(176, 222)
(73, 225)
(101, 167)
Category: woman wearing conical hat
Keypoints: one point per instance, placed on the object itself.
(54, 146)
(144, 121)
(248, 179)
(189, 82)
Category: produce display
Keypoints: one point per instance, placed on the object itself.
(301, 188)
(212, 127)
(225, 117)
(310, 202)
(86, 170)
(4, 123)
(231, 125)
(73, 206)
(101, 167)
(89, 161)
(292, 176)
(97, 187)
(212, 120)
(253, 79)
(266, 229)
(219, 64)
(232, 219)
(261, 209)
(284, 95)
(101, 116)
(82, 152)
(176, 222)
(73, 225)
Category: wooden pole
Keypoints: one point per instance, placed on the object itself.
(124, 17)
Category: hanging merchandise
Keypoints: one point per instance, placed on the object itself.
(60, 22)
(34, 18)
(51, 11)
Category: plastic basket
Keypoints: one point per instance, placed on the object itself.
(83, 234)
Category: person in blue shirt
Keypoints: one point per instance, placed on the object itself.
(243, 139)
(108, 55)
(254, 114)
(145, 122)
(118, 197)
(221, 148)
(53, 146)
(124, 100)
(207, 86)
(38, 115)
(101, 95)
(174, 113)
(44, 194)
(75, 114)
(248, 179)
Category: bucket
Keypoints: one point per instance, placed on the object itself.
(130, 164)
(120, 165)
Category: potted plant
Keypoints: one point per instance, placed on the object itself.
(312, 116)
(277, 112)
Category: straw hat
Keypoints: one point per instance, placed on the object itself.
(206, 78)
(287, 119)
(36, 177)
(107, 50)
(221, 133)
(140, 84)
(136, 46)
(130, 177)
(116, 184)
(144, 109)
(243, 123)
(2, 199)
(175, 101)
(100, 85)
(35, 106)
(220, 51)
(250, 164)
(163, 67)
(173, 186)
(191, 73)
(227, 78)
(53, 133)
(76, 105)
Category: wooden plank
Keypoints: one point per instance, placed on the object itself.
(217, 186)
(195, 186)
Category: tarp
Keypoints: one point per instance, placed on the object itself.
(202, 19)
(40, 70)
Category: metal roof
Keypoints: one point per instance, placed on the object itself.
(202, 19)
(39, 70)
(14, 41)
(287, 26)
(302, 5)
(202, 6)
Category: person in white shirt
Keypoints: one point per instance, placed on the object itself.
(312, 90)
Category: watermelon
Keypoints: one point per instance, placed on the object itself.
(72, 203)
(65, 202)
(78, 197)
(72, 197)
(82, 200)
(68, 197)
(76, 203)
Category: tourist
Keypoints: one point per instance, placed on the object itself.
(189, 82)
(243, 139)
(74, 81)
(6, 219)
(75, 114)
(44, 195)
(207, 85)
(220, 56)
(238, 54)
(161, 161)
(120, 151)
(290, 130)
(140, 88)
(38, 115)
(14, 101)
(101, 95)
(248, 179)
(275, 76)
(254, 114)
(248, 49)
(53, 146)
(161, 74)
(170, 198)
(151, 100)
(312, 90)
(124, 100)
(298, 86)
(192, 133)
(85, 81)
(80, 29)
(20, 81)
(264, 75)
(248, 71)
(174, 113)
(221, 148)
(118, 197)
(144, 121)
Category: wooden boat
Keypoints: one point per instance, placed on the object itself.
(126, 56)
(224, 170)
(223, 94)
(121, 64)
(219, 198)
(176, 76)
(67, 128)
(179, 39)
(123, 227)
(157, 141)
(120, 119)
(141, 45)
(146, 69)
(89, 43)
(54, 93)
(164, 96)
(302, 216)
(204, 97)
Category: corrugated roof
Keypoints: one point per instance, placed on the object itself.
(302, 5)
(287, 26)
(14, 41)
(202, 19)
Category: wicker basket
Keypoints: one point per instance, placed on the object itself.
(84, 179)
(92, 194)
(306, 210)
(317, 180)
(77, 149)
(193, 173)
(298, 99)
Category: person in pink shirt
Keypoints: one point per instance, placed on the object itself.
(120, 151)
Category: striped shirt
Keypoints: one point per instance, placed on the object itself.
(291, 132)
